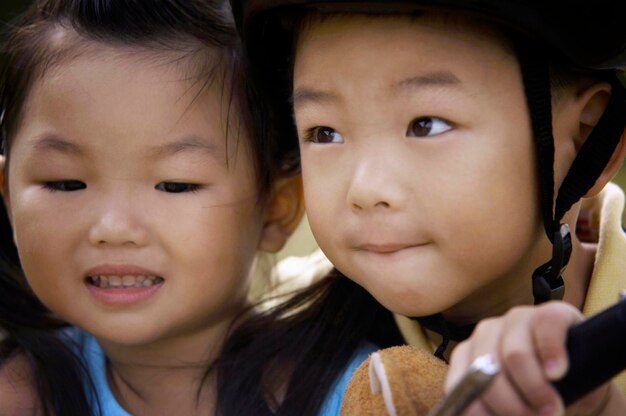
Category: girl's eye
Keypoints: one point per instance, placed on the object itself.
(323, 135)
(177, 187)
(427, 127)
(65, 186)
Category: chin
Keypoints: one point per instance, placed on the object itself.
(126, 336)
(402, 303)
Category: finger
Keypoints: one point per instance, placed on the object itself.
(550, 324)
(478, 408)
(593, 403)
(460, 361)
(484, 340)
(501, 398)
(523, 367)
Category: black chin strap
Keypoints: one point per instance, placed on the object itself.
(447, 330)
(590, 161)
(588, 165)
(547, 280)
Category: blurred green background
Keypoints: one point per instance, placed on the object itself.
(11, 8)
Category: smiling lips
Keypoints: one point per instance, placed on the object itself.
(125, 281)
(386, 248)
(122, 284)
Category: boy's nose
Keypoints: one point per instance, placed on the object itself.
(374, 186)
(118, 224)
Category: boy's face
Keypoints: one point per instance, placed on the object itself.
(418, 162)
(120, 172)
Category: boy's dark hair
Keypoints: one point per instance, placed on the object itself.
(309, 345)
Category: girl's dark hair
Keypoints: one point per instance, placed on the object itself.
(202, 33)
(309, 339)
(312, 336)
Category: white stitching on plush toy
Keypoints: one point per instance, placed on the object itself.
(380, 383)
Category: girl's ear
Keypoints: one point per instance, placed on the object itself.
(284, 212)
(593, 103)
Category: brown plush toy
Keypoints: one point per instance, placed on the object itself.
(396, 381)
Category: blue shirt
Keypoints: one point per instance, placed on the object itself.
(95, 360)
(332, 403)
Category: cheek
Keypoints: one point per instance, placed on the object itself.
(488, 194)
(41, 235)
(321, 198)
(227, 235)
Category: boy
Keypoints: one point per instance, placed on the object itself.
(433, 136)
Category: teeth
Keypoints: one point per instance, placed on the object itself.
(105, 282)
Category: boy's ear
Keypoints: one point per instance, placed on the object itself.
(284, 212)
(593, 102)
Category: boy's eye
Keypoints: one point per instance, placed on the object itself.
(65, 186)
(427, 127)
(177, 187)
(323, 135)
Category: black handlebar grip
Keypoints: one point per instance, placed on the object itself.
(597, 351)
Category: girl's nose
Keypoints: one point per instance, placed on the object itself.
(376, 186)
(118, 224)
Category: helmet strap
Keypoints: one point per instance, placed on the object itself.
(448, 331)
(589, 163)
(547, 282)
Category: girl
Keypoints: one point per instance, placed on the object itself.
(138, 197)
(433, 136)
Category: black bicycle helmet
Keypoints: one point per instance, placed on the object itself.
(583, 34)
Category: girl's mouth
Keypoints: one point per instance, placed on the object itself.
(125, 281)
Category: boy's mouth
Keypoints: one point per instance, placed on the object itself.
(125, 281)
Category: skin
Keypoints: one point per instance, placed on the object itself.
(120, 161)
(528, 342)
(386, 202)
(420, 183)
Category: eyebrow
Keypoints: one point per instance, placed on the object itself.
(439, 78)
(306, 95)
(51, 142)
(186, 144)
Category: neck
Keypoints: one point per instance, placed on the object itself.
(167, 377)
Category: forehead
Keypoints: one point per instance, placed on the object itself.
(59, 48)
(387, 50)
(185, 58)
(109, 98)
(427, 33)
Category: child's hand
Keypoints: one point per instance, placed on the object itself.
(529, 344)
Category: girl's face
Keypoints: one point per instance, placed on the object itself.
(133, 218)
(418, 163)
